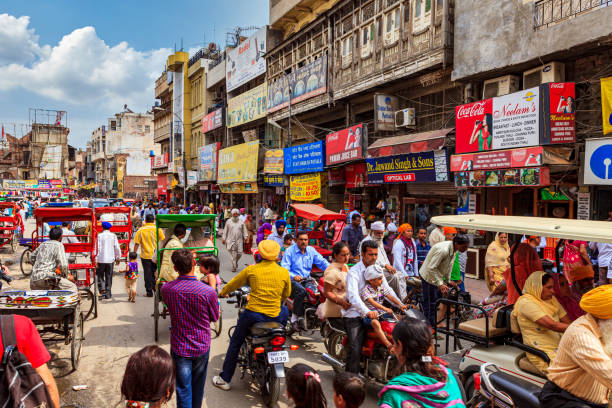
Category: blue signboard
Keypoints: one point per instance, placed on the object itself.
(273, 180)
(306, 158)
(430, 166)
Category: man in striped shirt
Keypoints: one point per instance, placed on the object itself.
(192, 305)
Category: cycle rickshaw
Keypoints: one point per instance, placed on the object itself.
(81, 255)
(11, 225)
(168, 222)
(121, 226)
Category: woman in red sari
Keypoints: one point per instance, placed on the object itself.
(526, 261)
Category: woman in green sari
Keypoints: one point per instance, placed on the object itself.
(426, 382)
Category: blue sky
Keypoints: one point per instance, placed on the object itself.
(90, 57)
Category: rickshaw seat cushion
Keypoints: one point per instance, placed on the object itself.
(527, 366)
(81, 266)
(514, 326)
(478, 327)
(79, 247)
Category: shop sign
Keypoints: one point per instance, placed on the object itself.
(306, 158)
(31, 184)
(606, 104)
(273, 161)
(559, 113)
(246, 61)
(335, 177)
(159, 160)
(162, 184)
(44, 184)
(212, 121)
(13, 184)
(239, 188)
(304, 83)
(523, 157)
(208, 161)
(408, 168)
(345, 145)
(527, 177)
(170, 166)
(247, 106)
(355, 175)
(274, 180)
(238, 163)
(305, 187)
(55, 183)
(466, 202)
(584, 206)
(598, 161)
(384, 109)
(192, 178)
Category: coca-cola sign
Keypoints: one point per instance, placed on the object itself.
(472, 109)
(474, 124)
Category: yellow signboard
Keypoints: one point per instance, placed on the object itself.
(238, 163)
(305, 187)
(606, 104)
(273, 161)
(247, 106)
(238, 188)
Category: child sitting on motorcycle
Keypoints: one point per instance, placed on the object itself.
(373, 296)
(209, 268)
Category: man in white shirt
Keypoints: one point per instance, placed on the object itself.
(68, 237)
(405, 260)
(108, 253)
(355, 283)
(603, 259)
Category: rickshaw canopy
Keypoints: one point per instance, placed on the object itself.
(597, 231)
(313, 212)
(51, 214)
(113, 210)
(189, 220)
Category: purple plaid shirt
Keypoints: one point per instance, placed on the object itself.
(192, 305)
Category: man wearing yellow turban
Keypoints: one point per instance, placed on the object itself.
(581, 373)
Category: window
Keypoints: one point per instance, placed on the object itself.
(347, 46)
(417, 9)
(422, 13)
(397, 18)
(389, 22)
(147, 128)
(140, 128)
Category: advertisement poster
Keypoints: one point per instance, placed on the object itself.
(503, 122)
(162, 184)
(273, 180)
(212, 121)
(13, 184)
(598, 161)
(606, 104)
(306, 158)
(523, 157)
(422, 167)
(44, 184)
(306, 82)
(159, 160)
(247, 106)
(239, 188)
(355, 175)
(305, 187)
(274, 161)
(344, 145)
(208, 162)
(527, 177)
(31, 184)
(238, 163)
(559, 113)
(246, 61)
(385, 107)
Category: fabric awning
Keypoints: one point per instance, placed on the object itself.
(412, 143)
(313, 212)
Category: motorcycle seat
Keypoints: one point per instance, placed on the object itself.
(523, 393)
(263, 328)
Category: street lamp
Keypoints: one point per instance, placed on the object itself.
(160, 109)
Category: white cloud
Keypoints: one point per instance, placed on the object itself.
(80, 70)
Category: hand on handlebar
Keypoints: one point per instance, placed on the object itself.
(453, 284)
(443, 289)
(372, 315)
(297, 278)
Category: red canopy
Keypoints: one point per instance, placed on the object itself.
(113, 210)
(313, 212)
(51, 214)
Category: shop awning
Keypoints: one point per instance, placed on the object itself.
(315, 213)
(412, 143)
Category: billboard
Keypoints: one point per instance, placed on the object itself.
(306, 82)
(212, 121)
(247, 106)
(384, 108)
(306, 158)
(246, 61)
(273, 161)
(274, 180)
(344, 145)
(208, 162)
(238, 163)
(305, 187)
(424, 167)
(523, 157)
(528, 177)
(559, 112)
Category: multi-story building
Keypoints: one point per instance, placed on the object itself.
(162, 123)
(517, 49)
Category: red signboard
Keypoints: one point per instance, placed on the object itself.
(524, 157)
(212, 121)
(562, 112)
(355, 175)
(162, 184)
(160, 160)
(344, 145)
(335, 177)
(55, 183)
(474, 126)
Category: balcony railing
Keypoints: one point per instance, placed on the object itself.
(549, 12)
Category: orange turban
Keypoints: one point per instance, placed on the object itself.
(449, 230)
(402, 228)
(582, 272)
(598, 302)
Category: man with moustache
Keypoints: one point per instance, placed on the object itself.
(377, 233)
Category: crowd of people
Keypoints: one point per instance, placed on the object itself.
(373, 266)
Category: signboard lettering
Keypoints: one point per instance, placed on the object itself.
(246, 61)
(413, 167)
(306, 158)
(344, 145)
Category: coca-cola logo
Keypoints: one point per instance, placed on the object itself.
(474, 109)
(556, 85)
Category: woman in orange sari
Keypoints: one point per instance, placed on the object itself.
(526, 262)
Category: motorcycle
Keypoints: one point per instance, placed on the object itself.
(494, 388)
(264, 353)
(377, 363)
(314, 297)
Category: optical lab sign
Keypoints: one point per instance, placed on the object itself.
(598, 161)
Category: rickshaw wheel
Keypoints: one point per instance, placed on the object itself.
(24, 263)
(156, 313)
(77, 338)
(95, 295)
(216, 327)
(13, 243)
(87, 298)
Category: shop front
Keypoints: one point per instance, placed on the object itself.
(237, 175)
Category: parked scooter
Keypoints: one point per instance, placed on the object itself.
(264, 353)
(494, 388)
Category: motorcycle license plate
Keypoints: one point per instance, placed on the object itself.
(278, 357)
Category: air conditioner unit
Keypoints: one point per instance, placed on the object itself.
(405, 118)
(551, 72)
(500, 86)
